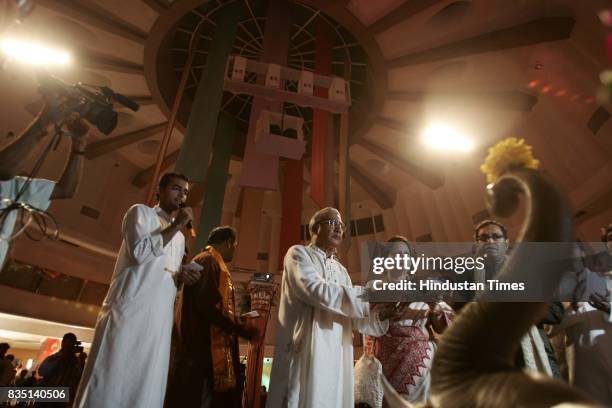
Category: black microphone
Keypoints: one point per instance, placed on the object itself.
(189, 225)
(127, 102)
(122, 99)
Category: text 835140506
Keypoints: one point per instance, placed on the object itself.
(38, 394)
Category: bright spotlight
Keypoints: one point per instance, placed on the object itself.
(34, 53)
(29, 363)
(445, 138)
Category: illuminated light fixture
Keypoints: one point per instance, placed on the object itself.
(546, 89)
(533, 84)
(29, 363)
(34, 53)
(562, 92)
(445, 138)
(605, 16)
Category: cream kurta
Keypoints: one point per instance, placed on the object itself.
(590, 334)
(128, 362)
(313, 356)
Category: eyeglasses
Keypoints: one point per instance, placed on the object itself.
(487, 237)
(334, 224)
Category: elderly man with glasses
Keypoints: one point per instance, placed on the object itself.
(319, 309)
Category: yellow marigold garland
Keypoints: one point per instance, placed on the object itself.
(507, 154)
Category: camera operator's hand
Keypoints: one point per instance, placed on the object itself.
(56, 109)
(78, 130)
(53, 109)
(184, 216)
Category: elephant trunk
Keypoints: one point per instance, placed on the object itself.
(474, 364)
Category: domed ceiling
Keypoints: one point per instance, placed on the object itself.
(489, 68)
(492, 68)
(348, 57)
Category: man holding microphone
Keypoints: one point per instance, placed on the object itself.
(129, 357)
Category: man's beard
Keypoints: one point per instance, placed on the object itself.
(169, 206)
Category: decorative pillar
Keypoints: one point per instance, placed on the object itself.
(261, 294)
(273, 265)
(344, 184)
(344, 179)
(250, 205)
(195, 152)
(263, 256)
(292, 208)
(260, 170)
(217, 179)
(320, 166)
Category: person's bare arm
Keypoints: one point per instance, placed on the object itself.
(14, 153)
(439, 317)
(69, 181)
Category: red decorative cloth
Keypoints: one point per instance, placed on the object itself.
(403, 352)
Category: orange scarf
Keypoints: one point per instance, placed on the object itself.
(224, 375)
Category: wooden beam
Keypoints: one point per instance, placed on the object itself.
(143, 177)
(96, 16)
(427, 176)
(410, 165)
(401, 13)
(111, 144)
(92, 59)
(599, 205)
(156, 5)
(507, 100)
(534, 32)
(383, 199)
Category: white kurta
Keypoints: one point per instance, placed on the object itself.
(590, 334)
(37, 194)
(128, 363)
(313, 356)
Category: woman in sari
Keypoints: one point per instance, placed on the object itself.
(406, 351)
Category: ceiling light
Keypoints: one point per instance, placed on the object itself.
(34, 53)
(533, 84)
(445, 138)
